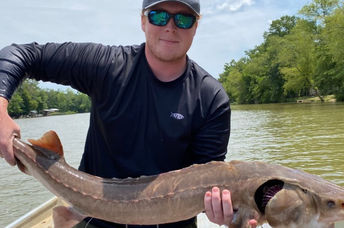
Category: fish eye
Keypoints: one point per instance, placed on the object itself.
(305, 191)
(331, 204)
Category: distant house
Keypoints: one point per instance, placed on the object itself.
(33, 113)
(50, 110)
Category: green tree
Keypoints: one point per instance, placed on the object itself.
(297, 59)
(29, 97)
(318, 10)
(15, 107)
(82, 103)
(333, 34)
(42, 98)
(257, 78)
(235, 83)
(28, 91)
(281, 27)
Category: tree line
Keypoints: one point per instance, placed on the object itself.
(300, 56)
(29, 97)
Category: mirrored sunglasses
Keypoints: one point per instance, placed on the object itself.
(161, 18)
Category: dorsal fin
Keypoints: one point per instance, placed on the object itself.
(49, 141)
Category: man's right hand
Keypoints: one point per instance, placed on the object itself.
(8, 130)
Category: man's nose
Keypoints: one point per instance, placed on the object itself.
(170, 26)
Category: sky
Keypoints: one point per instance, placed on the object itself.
(226, 30)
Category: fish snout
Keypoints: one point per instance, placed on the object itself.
(332, 210)
(335, 204)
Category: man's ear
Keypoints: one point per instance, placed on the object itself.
(143, 22)
(196, 26)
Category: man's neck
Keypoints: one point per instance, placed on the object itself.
(166, 71)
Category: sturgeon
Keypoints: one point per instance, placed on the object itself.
(281, 196)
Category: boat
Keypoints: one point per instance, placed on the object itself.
(41, 217)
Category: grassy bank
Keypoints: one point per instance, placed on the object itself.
(327, 99)
(62, 113)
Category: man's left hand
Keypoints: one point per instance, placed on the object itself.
(219, 209)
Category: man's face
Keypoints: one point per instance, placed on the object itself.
(168, 43)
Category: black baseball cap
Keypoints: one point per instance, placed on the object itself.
(192, 4)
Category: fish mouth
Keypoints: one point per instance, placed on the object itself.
(22, 167)
(266, 192)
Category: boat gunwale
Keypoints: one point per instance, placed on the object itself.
(30, 219)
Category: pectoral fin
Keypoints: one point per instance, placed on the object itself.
(245, 218)
(66, 217)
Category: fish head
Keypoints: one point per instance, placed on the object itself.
(286, 205)
(294, 205)
(328, 198)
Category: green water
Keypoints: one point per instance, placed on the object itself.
(303, 136)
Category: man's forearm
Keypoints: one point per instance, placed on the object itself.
(80, 65)
(12, 69)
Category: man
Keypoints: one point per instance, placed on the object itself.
(153, 109)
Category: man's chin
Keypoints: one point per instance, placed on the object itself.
(167, 54)
(170, 56)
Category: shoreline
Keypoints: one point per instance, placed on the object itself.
(328, 99)
(52, 114)
(299, 100)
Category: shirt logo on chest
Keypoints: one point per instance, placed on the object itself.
(176, 116)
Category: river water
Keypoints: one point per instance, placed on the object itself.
(303, 136)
